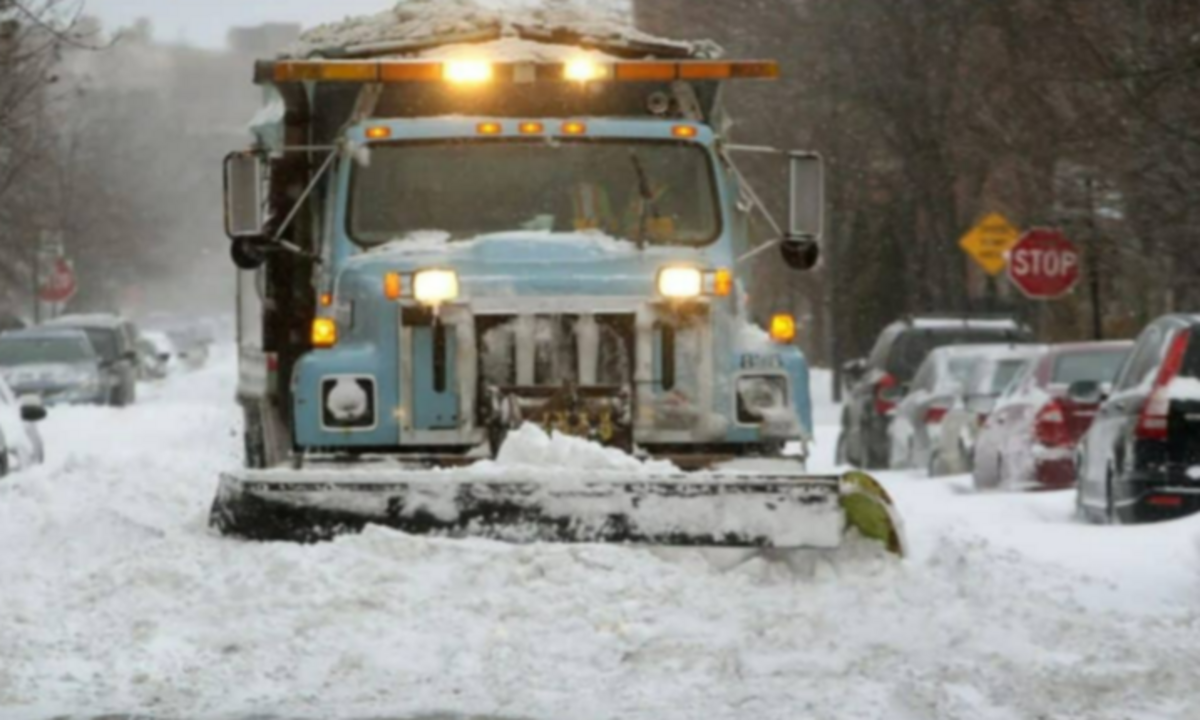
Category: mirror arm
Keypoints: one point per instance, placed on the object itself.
(756, 202)
(299, 204)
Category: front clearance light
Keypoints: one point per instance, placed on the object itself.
(324, 332)
(783, 328)
(680, 283)
(584, 71)
(465, 72)
(435, 287)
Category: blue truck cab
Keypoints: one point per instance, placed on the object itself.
(430, 262)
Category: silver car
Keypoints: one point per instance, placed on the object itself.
(954, 446)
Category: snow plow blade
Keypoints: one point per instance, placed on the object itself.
(714, 510)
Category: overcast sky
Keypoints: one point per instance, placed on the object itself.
(205, 22)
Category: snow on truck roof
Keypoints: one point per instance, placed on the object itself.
(429, 28)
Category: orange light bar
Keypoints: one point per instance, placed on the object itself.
(379, 132)
(489, 128)
(752, 70)
(410, 72)
(723, 283)
(393, 286)
(467, 72)
(324, 333)
(326, 72)
(783, 328)
(574, 127)
(705, 71)
(326, 299)
(531, 128)
(647, 71)
(684, 131)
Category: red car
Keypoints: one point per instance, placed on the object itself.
(1029, 439)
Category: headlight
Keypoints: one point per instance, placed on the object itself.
(434, 287)
(680, 283)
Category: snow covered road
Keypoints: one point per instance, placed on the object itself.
(115, 597)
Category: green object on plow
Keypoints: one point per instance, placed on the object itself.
(870, 510)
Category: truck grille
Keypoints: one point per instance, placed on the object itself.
(559, 342)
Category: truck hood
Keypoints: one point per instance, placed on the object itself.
(521, 264)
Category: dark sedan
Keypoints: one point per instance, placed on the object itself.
(1140, 461)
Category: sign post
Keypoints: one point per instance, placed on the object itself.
(1044, 264)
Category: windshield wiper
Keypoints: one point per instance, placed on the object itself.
(648, 202)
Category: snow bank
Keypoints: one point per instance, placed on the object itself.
(114, 597)
(530, 446)
(417, 21)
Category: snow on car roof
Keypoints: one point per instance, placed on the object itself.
(427, 21)
(999, 351)
(97, 320)
(937, 323)
(44, 333)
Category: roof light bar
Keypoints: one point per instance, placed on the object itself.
(475, 72)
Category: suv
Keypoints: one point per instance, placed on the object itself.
(1138, 461)
(876, 384)
(115, 341)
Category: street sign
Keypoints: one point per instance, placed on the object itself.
(1044, 264)
(989, 242)
(59, 283)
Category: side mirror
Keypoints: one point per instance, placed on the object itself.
(802, 247)
(1086, 392)
(854, 369)
(895, 393)
(245, 206)
(32, 409)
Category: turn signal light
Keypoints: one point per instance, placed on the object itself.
(723, 283)
(783, 328)
(379, 132)
(324, 333)
(393, 286)
(532, 128)
(686, 132)
(326, 299)
(490, 128)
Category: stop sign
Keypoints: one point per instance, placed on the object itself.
(1044, 264)
(59, 284)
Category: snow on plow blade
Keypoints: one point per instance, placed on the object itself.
(748, 511)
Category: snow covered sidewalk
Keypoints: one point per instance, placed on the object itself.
(115, 597)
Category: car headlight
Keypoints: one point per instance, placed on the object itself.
(680, 283)
(434, 287)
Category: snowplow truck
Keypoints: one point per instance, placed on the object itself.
(435, 253)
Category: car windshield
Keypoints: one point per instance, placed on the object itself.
(1090, 366)
(662, 192)
(33, 351)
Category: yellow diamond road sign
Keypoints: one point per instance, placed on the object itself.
(989, 243)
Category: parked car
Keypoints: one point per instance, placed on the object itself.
(1140, 460)
(1029, 440)
(953, 442)
(58, 366)
(939, 383)
(20, 443)
(156, 354)
(875, 384)
(115, 340)
(192, 339)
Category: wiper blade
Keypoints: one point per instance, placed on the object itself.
(646, 190)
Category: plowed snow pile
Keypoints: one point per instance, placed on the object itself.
(115, 597)
(417, 21)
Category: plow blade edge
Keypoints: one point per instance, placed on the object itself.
(747, 511)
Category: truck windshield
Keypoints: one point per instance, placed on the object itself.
(659, 192)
